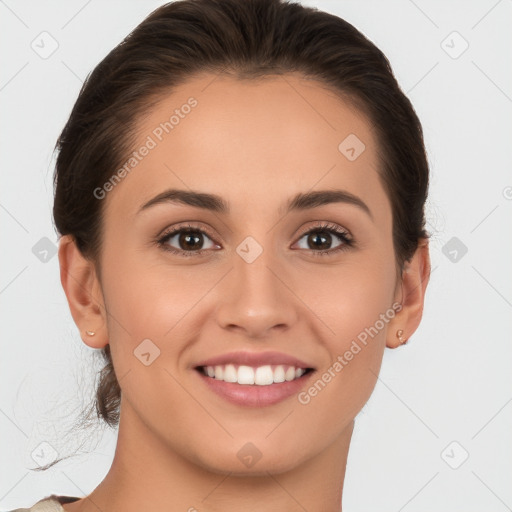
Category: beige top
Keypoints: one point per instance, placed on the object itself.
(52, 503)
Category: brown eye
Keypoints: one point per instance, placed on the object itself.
(186, 241)
(190, 240)
(319, 240)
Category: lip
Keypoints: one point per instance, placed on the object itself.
(250, 395)
(255, 359)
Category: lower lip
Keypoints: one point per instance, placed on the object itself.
(253, 395)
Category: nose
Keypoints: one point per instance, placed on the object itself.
(256, 298)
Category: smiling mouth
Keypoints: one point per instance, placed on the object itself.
(254, 375)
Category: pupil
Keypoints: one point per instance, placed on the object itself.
(187, 239)
(323, 245)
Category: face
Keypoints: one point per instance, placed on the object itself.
(186, 281)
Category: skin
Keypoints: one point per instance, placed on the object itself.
(256, 144)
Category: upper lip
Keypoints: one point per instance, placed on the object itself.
(255, 359)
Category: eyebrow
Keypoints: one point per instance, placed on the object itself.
(299, 202)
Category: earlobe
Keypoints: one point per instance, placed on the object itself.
(83, 292)
(415, 277)
(400, 336)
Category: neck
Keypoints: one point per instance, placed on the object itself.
(145, 472)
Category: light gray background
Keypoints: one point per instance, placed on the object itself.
(452, 382)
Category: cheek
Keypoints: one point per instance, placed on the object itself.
(141, 306)
(146, 310)
(351, 296)
(355, 303)
(360, 303)
(146, 295)
(154, 309)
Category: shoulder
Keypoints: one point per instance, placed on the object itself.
(52, 503)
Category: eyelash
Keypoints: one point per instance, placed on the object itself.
(325, 227)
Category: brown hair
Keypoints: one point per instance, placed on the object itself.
(246, 39)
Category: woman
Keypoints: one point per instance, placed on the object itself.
(240, 191)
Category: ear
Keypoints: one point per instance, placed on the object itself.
(83, 291)
(411, 294)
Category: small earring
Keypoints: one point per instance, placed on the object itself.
(90, 333)
(399, 334)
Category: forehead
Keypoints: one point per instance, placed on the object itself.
(251, 140)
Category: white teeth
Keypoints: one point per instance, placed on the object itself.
(290, 373)
(279, 375)
(245, 375)
(264, 376)
(230, 373)
(260, 376)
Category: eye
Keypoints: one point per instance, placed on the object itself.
(320, 238)
(190, 241)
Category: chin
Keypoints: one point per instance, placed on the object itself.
(248, 460)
